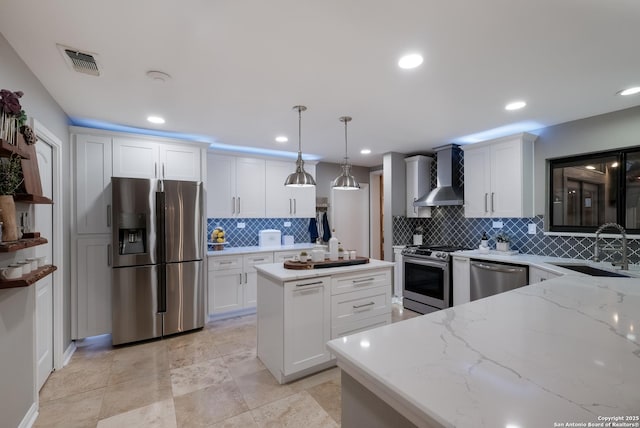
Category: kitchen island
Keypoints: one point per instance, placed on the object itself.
(300, 310)
(546, 355)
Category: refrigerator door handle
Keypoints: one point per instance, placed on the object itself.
(162, 289)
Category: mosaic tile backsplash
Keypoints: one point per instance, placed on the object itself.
(248, 236)
(448, 225)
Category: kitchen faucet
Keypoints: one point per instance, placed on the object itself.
(623, 249)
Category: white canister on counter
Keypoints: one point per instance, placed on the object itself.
(352, 254)
(333, 246)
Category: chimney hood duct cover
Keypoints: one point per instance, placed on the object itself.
(447, 192)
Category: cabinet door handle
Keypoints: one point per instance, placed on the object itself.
(486, 208)
(364, 305)
(233, 205)
(108, 254)
(360, 281)
(414, 207)
(238, 204)
(309, 283)
(240, 278)
(245, 278)
(108, 215)
(492, 195)
(290, 210)
(295, 206)
(155, 169)
(162, 169)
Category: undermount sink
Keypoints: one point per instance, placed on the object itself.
(590, 270)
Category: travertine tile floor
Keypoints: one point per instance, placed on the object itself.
(209, 378)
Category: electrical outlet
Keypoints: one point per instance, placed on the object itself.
(287, 224)
(532, 229)
(497, 225)
(240, 225)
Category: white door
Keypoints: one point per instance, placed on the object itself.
(43, 223)
(350, 218)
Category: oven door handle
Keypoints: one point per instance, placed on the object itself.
(424, 262)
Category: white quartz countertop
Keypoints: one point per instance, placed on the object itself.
(279, 273)
(564, 350)
(545, 262)
(256, 249)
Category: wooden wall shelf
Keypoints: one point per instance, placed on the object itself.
(7, 149)
(31, 199)
(21, 244)
(29, 279)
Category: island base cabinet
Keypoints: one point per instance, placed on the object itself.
(294, 327)
(307, 310)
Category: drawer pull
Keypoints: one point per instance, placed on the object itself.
(360, 281)
(226, 262)
(309, 283)
(363, 305)
(259, 260)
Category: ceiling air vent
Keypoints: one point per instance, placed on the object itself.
(81, 62)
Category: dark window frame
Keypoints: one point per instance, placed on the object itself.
(621, 155)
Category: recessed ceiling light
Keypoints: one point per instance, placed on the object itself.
(281, 139)
(155, 119)
(516, 105)
(365, 151)
(614, 165)
(590, 167)
(630, 91)
(410, 61)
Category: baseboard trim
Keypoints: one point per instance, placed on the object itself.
(68, 353)
(30, 417)
(232, 314)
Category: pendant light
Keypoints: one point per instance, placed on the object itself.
(345, 181)
(300, 178)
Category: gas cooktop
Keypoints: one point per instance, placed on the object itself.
(432, 251)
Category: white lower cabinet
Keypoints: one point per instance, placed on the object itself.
(93, 287)
(307, 315)
(297, 318)
(538, 275)
(461, 280)
(282, 256)
(232, 281)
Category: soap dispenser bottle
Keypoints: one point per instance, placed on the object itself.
(333, 246)
(484, 241)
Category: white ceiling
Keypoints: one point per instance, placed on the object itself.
(238, 67)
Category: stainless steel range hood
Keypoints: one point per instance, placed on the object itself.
(447, 192)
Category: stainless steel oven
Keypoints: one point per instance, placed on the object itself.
(426, 284)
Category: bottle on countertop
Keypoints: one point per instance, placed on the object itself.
(484, 241)
(333, 246)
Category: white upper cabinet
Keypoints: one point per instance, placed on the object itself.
(235, 187)
(180, 162)
(498, 177)
(418, 184)
(282, 201)
(148, 159)
(92, 180)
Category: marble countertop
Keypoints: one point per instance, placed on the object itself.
(564, 350)
(279, 273)
(256, 249)
(545, 262)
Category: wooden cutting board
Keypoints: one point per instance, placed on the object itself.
(292, 264)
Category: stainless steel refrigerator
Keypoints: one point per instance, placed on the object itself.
(157, 285)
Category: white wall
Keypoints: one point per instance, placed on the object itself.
(394, 183)
(17, 376)
(594, 134)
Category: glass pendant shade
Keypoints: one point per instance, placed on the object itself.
(345, 181)
(300, 178)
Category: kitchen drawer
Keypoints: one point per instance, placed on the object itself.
(225, 262)
(360, 325)
(349, 307)
(250, 260)
(360, 281)
(282, 256)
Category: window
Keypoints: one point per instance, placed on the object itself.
(587, 191)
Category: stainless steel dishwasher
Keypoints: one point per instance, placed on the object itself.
(489, 278)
